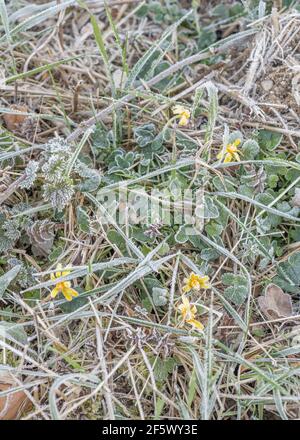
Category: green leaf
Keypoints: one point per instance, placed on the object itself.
(196, 109)
(237, 292)
(57, 251)
(269, 139)
(159, 296)
(181, 235)
(144, 134)
(100, 139)
(32, 297)
(99, 39)
(7, 278)
(163, 367)
(273, 180)
(115, 238)
(142, 11)
(212, 112)
(209, 254)
(250, 149)
(289, 274)
(83, 219)
(102, 50)
(76, 303)
(167, 82)
(234, 136)
(147, 56)
(247, 191)
(45, 67)
(37, 19)
(182, 141)
(13, 332)
(214, 229)
(117, 38)
(5, 20)
(224, 184)
(210, 208)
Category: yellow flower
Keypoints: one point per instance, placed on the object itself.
(62, 286)
(183, 114)
(230, 152)
(188, 313)
(196, 282)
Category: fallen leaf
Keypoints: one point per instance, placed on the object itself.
(275, 303)
(41, 235)
(15, 121)
(13, 405)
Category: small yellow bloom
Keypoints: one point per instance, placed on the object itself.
(188, 313)
(183, 114)
(62, 286)
(230, 152)
(196, 282)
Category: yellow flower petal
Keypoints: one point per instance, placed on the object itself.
(183, 113)
(58, 268)
(194, 310)
(230, 152)
(55, 291)
(181, 308)
(74, 293)
(196, 324)
(228, 158)
(189, 312)
(185, 301)
(69, 293)
(178, 109)
(183, 121)
(205, 282)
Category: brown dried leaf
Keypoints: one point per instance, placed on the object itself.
(12, 405)
(275, 303)
(15, 121)
(41, 234)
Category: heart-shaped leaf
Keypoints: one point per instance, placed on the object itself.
(237, 291)
(275, 303)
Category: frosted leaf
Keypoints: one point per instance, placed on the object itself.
(11, 229)
(59, 194)
(58, 145)
(30, 175)
(55, 168)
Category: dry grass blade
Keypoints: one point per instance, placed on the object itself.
(149, 210)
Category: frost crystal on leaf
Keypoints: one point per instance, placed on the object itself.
(25, 276)
(58, 187)
(58, 145)
(11, 229)
(54, 168)
(30, 174)
(59, 194)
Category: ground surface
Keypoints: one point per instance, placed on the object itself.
(87, 103)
